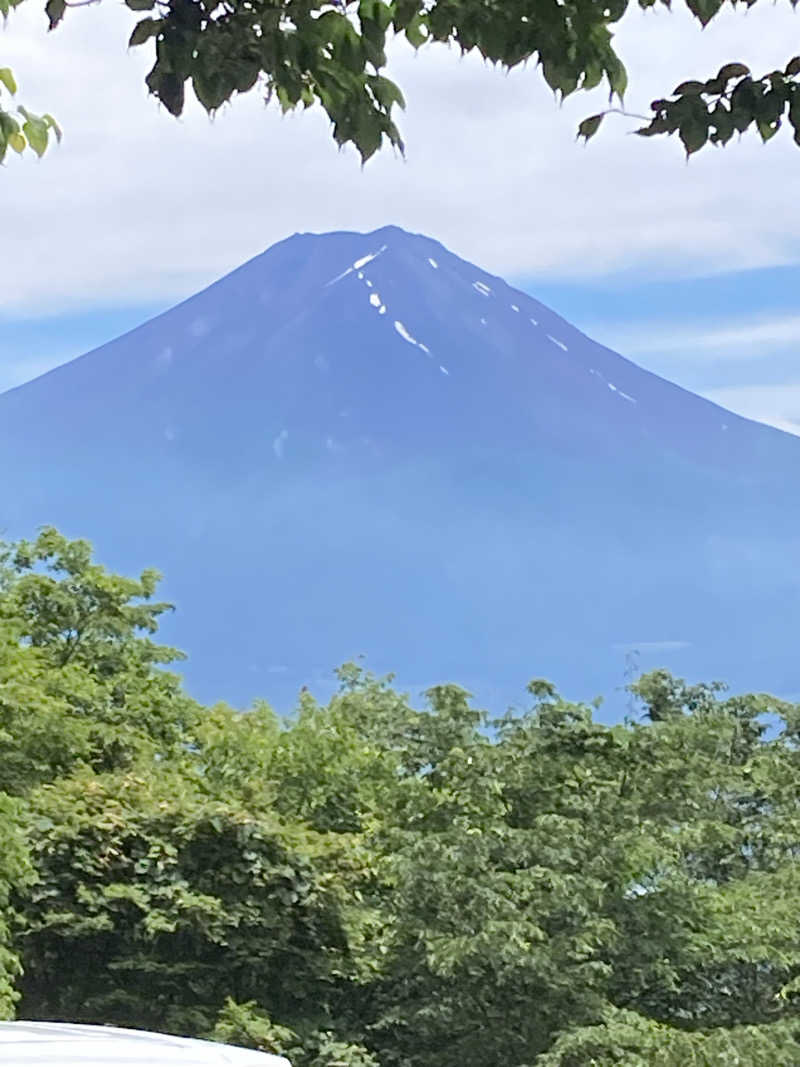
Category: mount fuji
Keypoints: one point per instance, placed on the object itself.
(362, 444)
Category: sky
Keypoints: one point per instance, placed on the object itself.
(690, 269)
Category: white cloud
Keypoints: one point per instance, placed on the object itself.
(742, 338)
(135, 206)
(653, 646)
(777, 405)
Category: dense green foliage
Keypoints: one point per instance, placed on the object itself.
(333, 53)
(373, 885)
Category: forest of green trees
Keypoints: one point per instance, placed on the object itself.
(366, 883)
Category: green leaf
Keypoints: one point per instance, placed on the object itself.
(560, 78)
(690, 88)
(694, 134)
(287, 98)
(7, 79)
(386, 93)
(36, 132)
(377, 12)
(793, 67)
(704, 10)
(733, 70)
(592, 76)
(245, 75)
(209, 91)
(723, 125)
(741, 118)
(140, 5)
(54, 9)
(8, 124)
(770, 106)
(53, 125)
(17, 142)
(144, 30)
(768, 129)
(617, 76)
(657, 126)
(589, 127)
(168, 87)
(416, 32)
(794, 111)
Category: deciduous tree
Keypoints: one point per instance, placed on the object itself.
(334, 54)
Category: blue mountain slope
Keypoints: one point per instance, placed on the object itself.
(363, 444)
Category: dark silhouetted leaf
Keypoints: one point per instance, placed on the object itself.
(690, 88)
(144, 30)
(733, 70)
(54, 9)
(589, 127)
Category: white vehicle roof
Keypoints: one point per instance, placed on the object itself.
(24, 1044)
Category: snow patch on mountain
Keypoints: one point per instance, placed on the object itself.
(404, 332)
(407, 336)
(613, 388)
(358, 266)
(401, 329)
(359, 263)
(339, 277)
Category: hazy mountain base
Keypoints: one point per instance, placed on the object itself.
(370, 884)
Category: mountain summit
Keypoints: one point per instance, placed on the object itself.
(362, 444)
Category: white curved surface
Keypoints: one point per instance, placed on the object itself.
(24, 1044)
